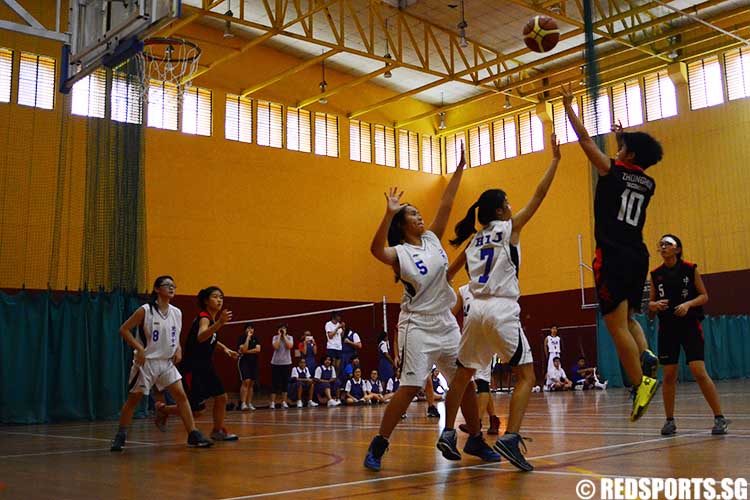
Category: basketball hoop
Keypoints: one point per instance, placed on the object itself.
(173, 60)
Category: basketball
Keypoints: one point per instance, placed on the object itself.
(541, 34)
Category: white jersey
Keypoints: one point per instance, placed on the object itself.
(423, 269)
(335, 342)
(491, 266)
(160, 333)
(556, 375)
(466, 298)
(553, 344)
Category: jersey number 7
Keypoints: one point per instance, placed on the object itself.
(486, 253)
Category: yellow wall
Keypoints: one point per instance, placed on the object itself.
(263, 222)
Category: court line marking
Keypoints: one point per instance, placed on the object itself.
(67, 452)
(450, 469)
(59, 436)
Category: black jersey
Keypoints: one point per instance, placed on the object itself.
(676, 284)
(622, 197)
(199, 354)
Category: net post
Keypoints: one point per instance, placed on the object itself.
(385, 315)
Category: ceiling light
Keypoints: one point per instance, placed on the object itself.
(442, 125)
(228, 24)
(462, 29)
(388, 64)
(323, 83)
(507, 104)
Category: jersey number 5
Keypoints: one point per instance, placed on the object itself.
(486, 253)
(630, 207)
(422, 268)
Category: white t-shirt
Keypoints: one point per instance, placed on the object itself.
(491, 267)
(389, 385)
(300, 373)
(423, 269)
(319, 372)
(555, 375)
(553, 344)
(335, 342)
(160, 332)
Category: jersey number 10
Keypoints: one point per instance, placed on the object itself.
(630, 207)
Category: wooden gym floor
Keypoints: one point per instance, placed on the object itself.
(317, 453)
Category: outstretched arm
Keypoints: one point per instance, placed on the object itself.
(379, 247)
(524, 215)
(594, 154)
(446, 203)
(458, 264)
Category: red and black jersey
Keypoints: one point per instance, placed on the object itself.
(199, 354)
(676, 284)
(622, 197)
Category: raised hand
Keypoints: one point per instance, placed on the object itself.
(555, 146)
(567, 94)
(393, 199)
(226, 316)
(462, 159)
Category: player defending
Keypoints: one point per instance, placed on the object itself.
(623, 192)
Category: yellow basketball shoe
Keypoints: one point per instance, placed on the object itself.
(643, 396)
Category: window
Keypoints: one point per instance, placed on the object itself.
(326, 134)
(661, 96)
(408, 150)
(627, 105)
(479, 145)
(238, 120)
(737, 67)
(597, 120)
(705, 83)
(89, 95)
(504, 136)
(453, 144)
(126, 97)
(196, 111)
(298, 130)
(360, 141)
(385, 145)
(561, 124)
(531, 132)
(36, 81)
(431, 155)
(6, 70)
(162, 105)
(269, 124)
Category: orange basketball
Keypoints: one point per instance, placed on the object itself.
(541, 34)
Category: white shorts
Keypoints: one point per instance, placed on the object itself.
(484, 373)
(425, 340)
(159, 372)
(493, 326)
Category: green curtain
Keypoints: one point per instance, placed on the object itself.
(727, 353)
(62, 358)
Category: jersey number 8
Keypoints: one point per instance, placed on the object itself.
(155, 337)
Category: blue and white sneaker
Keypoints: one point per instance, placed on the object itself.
(509, 446)
(375, 452)
(448, 445)
(476, 446)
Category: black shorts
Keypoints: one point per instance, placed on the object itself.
(280, 378)
(200, 384)
(248, 367)
(688, 334)
(620, 274)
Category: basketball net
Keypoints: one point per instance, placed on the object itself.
(168, 60)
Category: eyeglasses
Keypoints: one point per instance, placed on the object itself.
(168, 285)
(664, 244)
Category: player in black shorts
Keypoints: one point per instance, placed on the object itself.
(199, 375)
(623, 192)
(248, 347)
(677, 296)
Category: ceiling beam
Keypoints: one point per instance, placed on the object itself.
(289, 72)
(351, 83)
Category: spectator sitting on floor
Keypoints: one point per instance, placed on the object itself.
(355, 389)
(586, 377)
(557, 380)
(326, 382)
(437, 384)
(392, 385)
(375, 388)
(301, 382)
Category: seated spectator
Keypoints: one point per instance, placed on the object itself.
(557, 380)
(375, 388)
(392, 385)
(302, 381)
(326, 383)
(437, 384)
(586, 377)
(355, 389)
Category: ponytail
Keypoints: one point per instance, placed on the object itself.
(486, 206)
(465, 227)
